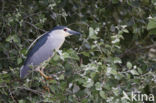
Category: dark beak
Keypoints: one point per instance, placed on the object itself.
(72, 32)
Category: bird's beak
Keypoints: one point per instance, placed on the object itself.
(72, 32)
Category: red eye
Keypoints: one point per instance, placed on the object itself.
(65, 29)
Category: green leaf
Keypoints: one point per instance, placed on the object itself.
(76, 88)
(19, 60)
(93, 74)
(89, 83)
(153, 31)
(117, 60)
(115, 1)
(116, 91)
(139, 70)
(61, 77)
(102, 94)
(92, 33)
(65, 55)
(116, 38)
(14, 38)
(85, 53)
(125, 30)
(151, 24)
(56, 57)
(134, 72)
(21, 101)
(129, 65)
(98, 86)
(111, 70)
(70, 54)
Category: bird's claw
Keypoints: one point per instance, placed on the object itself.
(48, 78)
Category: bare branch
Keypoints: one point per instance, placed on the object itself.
(136, 49)
(11, 95)
(31, 90)
(35, 26)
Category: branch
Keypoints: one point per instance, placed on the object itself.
(31, 90)
(150, 46)
(12, 97)
(136, 49)
(35, 26)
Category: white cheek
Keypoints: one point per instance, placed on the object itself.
(66, 34)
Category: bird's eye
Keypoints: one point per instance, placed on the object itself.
(65, 29)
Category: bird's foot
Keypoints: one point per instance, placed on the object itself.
(44, 75)
(46, 89)
(48, 78)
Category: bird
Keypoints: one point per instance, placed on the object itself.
(44, 49)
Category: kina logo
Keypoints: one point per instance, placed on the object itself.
(138, 97)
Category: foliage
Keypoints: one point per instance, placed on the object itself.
(115, 54)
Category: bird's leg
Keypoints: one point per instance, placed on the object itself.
(46, 88)
(44, 75)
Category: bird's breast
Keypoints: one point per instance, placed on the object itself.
(56, 41)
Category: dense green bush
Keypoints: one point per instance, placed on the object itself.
(116, 53)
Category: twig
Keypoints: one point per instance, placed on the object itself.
(81, 23)
(31, 90)
(3, 6)
(8, 58)
(150, 46)
(35, 26)
(12, 96)
(35, 14)
(3, 86)
(82, 44)
(136, 49)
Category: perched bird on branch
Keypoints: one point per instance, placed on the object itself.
(44, 48)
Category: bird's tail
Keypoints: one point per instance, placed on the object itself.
(24, 71)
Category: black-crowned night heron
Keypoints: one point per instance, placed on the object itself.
(44, 49)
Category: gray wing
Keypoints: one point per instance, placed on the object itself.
(42, 50)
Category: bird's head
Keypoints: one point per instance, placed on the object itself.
(65, 31)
